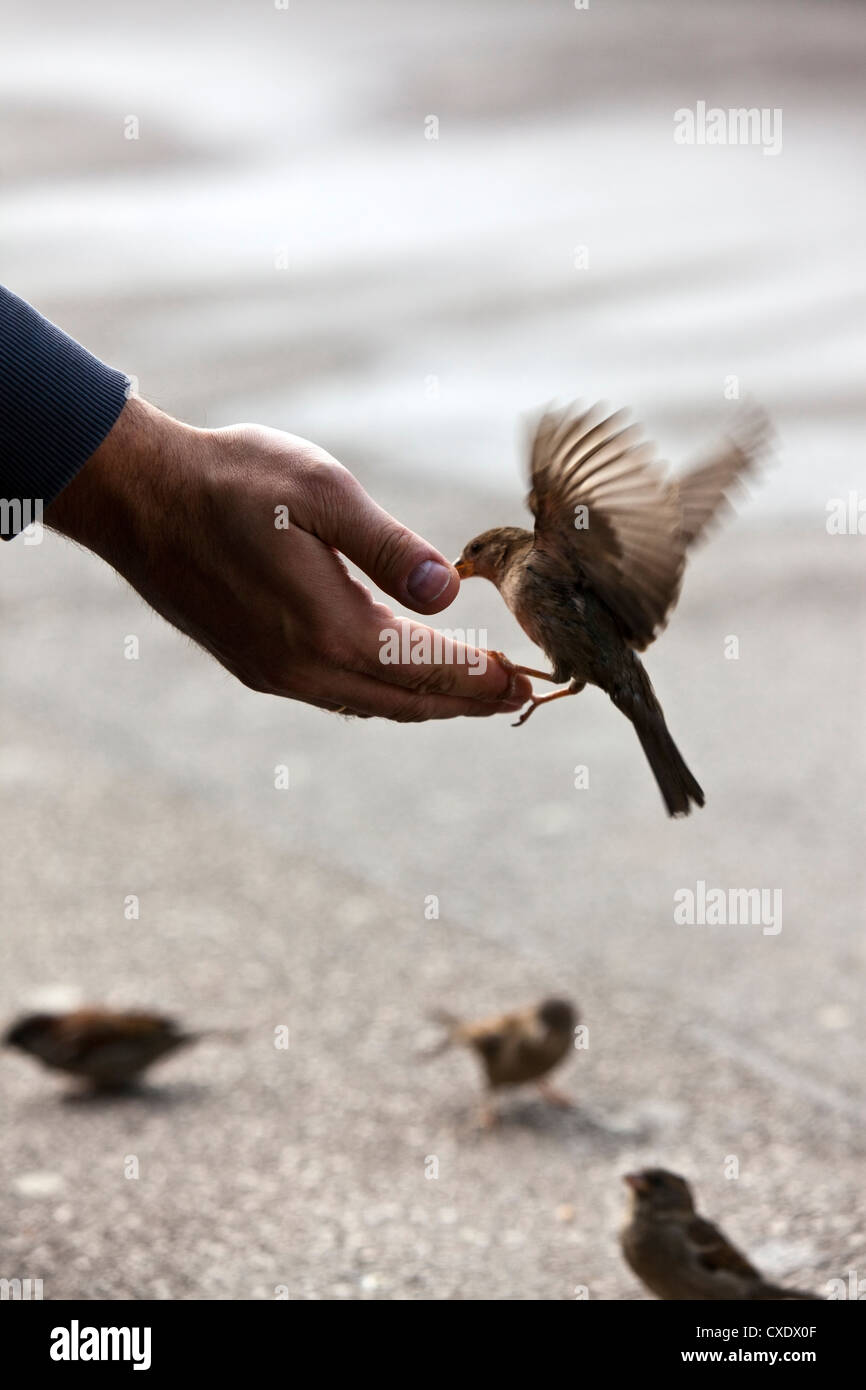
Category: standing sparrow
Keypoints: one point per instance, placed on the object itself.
(679, 1255)
(516, 1047)
(108, 1049)
(594, 583)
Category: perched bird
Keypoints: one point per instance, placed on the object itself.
(594, 583)
(108, 1049)
(516, 1047)
(679, 1255)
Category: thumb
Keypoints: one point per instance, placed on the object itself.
(403, 564)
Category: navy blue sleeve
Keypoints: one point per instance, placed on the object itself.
(57, 404)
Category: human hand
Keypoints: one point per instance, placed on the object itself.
(195, 521)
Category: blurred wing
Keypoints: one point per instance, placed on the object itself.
(489, 1045)
(104, 1023)
(491, 1035)
(89, 1030)
(603, 508)
(705, 491)
(714, 1251)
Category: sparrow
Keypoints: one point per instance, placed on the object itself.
(108, 1049)
(595, 581)
(515, 1047)
(680, 1256)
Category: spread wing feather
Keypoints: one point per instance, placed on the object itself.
(705, 490)
(606, 514)
(603, 507)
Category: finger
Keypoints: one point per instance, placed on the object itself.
(421, 658)
(401, 563)
(367, 696)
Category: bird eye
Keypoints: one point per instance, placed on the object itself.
(475, 548)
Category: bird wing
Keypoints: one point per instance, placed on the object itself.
(91, 1037)
(627, 543)
(489, 1045)
(704, 491)
(535, 1054)
(488, 1035)
(98, 1026)
(714, 1251)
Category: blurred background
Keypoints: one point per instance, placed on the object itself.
(399, 231)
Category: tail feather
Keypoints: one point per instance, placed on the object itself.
(445, 1018)
(638, 702)
(451, 1024)
(676, 784)
(223, 1034)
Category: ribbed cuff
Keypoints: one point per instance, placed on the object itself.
(57, 404)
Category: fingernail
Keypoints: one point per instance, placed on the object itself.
(427, 581)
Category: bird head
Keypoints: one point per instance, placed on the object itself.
(28, 1032)
(558, 1015)
(490, 554)
(655, 1190)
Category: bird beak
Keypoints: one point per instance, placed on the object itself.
(636, 1181)
(464, 568)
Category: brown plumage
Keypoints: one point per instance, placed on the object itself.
(680, 1256)
(596, 580)
(109, 1049)
(516, 1047)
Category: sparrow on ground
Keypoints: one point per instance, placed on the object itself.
(516, 1047)
(594, 583)
(679, 1255)
(108, 1049)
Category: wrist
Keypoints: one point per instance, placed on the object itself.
(119, 501)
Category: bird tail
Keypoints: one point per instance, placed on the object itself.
(221, 1034)
(637, 701)
(451, 1025)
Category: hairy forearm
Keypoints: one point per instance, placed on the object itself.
(126, 497)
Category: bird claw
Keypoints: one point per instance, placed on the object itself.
(555, 1097)
(514, 671)
(509, 668)
(534, 702)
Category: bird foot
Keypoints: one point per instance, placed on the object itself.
(508, 665)
(536, 700)
(555, 1097)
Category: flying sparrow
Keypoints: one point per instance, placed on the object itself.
(594, 583)
(516, 1047)
(108, 1049)
(679, 1255)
